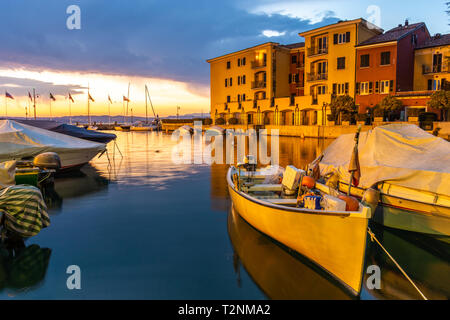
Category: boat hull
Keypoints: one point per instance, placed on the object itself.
(141, 129)
(410, 214)
(334, 241)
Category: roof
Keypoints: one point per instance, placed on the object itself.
(436, 41)
(294, 45)
(394, 34)
(369, 25)
(242, 50)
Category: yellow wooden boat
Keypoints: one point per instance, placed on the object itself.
(334, 240)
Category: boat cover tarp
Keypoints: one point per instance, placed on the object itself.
(401, 154)
(24, 209)
(71, 130)
(18, 140)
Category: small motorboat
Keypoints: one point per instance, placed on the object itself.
(124, 127)
(91, 127)
(20, 141)
(327, 227)
(71, 130)
(410, 168)
(141, 126)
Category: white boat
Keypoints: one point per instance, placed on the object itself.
(19, 141)
(410, 168)
(334, 239)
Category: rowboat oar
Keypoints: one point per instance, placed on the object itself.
(353, 166)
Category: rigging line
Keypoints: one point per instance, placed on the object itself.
(373, 238)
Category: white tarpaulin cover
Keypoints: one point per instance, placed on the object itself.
(401, 154)
(19, 140)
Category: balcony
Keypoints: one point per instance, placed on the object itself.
(256, 64)
(300, 84)
(314, 51)
(317, 76)
(437, 68)
(300, 65)
(258, 84)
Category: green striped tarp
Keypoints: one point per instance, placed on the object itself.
(24, 209)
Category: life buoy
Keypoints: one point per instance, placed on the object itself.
(351, 204)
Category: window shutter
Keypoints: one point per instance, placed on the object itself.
(391, 85)
(239, 79)
(430, 84)
(243, 61)
(357, 88)
(335, 38)
(231, 82)
(334, 88)
(370, 87)
(346, 87)
(290, 78)
(377, 86)
(243, 79)
(226, 82)
(347, 36)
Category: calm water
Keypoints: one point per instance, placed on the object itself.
(141, 227)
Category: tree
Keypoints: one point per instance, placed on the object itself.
(342, 104)
(392, 107)
(440, 100)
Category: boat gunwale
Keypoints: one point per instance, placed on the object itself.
(342, 214)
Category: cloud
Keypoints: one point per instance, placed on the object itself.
(273, 33)
(161, 39)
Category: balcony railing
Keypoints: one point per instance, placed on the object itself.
(437, 68)
(259, 64)
(317, 76)
(300, 84)
(258, 84)
(312, 51)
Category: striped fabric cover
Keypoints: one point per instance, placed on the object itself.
(24, 209)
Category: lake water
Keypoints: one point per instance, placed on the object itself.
(142, 227)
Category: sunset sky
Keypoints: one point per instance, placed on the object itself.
(163, 44)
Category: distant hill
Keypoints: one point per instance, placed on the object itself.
(118, 119)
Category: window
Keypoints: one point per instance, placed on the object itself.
(365, 61)
(228, 64)
(370, 87)
(339, 38)
(364, 88)
(243, 79)
(239, 62)
(239, 80)
(226, 82)
(430, 84)
(243, 61)
(231, 82)
(384, 86)
(294, 59)
(321, 90)
(239, 98)
(346, 88)
(228, 98)
(385, 58)
(290, 78)
(243, 97)
(341, 63)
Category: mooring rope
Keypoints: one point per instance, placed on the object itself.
(373, 238)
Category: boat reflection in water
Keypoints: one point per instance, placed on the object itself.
(424, 259)
(22, 268)
(277, 272)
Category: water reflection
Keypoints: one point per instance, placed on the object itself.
(22, 268)
(277, 273)
(424, 259)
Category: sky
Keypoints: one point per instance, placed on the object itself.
(161, 43)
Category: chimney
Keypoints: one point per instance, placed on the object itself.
(406, 22)
(399, 25)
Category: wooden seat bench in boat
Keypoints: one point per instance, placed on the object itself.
(265, 187)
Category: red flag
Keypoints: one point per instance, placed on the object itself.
(126, 99)
(90, 98)
(7, 95)
(70, 97)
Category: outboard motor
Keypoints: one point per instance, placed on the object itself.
(47, 161)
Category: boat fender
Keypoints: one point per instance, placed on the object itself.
(308, 182)
(351, 203)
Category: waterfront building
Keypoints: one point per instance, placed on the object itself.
(385, 64)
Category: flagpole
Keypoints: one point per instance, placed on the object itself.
(109, 109)
(6, 106)
(128, 97)
(146, 108)
(70, 111)
(34, 103)
(88, 107)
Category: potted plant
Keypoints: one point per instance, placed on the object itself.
(233, 121)
(413, 114)
(331, 119)
(346, 118)
(361, 118)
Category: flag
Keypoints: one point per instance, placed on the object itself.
(109, 99)
(353, 166)
(7, 95)
(70, 97)
(29, 96)
(126, 99)
(90, 98)
(52, 97)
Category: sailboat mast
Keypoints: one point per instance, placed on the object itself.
(128, 97)
(146, 110)
(88, 108)
(34, 102)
